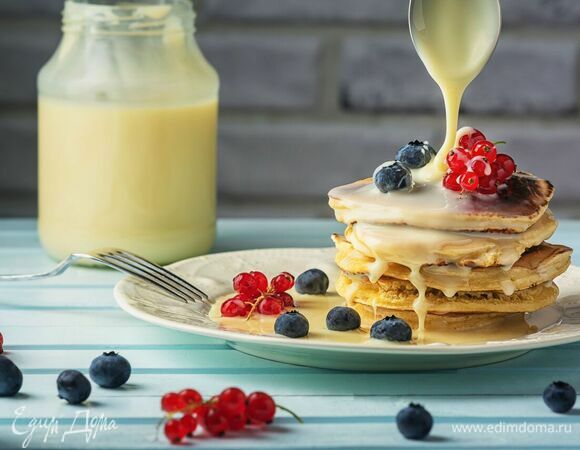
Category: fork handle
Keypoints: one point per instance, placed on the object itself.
(60, 268)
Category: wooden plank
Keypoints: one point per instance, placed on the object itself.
(288, 436)
(98, 336)
(140, 400)
(241, 234)
(105, 336)
(147, 360)
(232, 234)
(10, 226)
(546, 361)
(74, 297)
(210, 363)
(304, 381)
(69, 318)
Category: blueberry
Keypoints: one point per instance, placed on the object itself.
(392, 329)
(292, 324)
(414, 421)
(560, 397)
(392, 176)
(313, 281)
(10, 378)
(110, 370)
(73, 386)
(342, 318)
(415, 154)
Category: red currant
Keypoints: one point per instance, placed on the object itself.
(282, 282)
(244, 283)
(286, 298)
(189, 424)
(487, 185)
(261, 408)
(504, 167)
(470, 138)
(191, 397)
(232, 400)
(215, 422)
(469, 181)
(199, 414)
(237, 420)
(457, 159)
(261, 281)
(450, 181)
(174, 431)
(480, 166)
(485, 148)
(233, 308)
(270, 306)
(245, 297)
(172, 402)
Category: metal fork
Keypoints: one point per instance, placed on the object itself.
(128, 263)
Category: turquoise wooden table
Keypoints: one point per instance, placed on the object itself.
(64, 323)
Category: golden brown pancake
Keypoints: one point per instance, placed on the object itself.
(392, 293)
(537, 265)
(437, 322)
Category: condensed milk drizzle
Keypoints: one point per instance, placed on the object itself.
(420, 303)
(454, 39)
(351, 291)
(316, 307)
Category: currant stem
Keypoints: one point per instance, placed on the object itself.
(159, 423)
(292, 413)
(499, 142)
(254, 306)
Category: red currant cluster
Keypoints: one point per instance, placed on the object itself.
(232, 410)
(255, 294)
(475, 165)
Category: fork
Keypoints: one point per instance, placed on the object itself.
(128, 263)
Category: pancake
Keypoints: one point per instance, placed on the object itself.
(451, 322)
(537, 265)
(412, 246)
(392, 293)
(513, 210)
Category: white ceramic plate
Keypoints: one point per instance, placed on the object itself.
(213, 274)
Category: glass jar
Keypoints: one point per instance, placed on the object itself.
(127, 132)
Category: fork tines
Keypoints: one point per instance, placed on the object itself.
(153, 273)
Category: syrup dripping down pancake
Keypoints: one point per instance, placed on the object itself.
(537, 265)
(391, 293)
(494, 323)
(412, 246)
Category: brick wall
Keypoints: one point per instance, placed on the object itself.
(319, 92)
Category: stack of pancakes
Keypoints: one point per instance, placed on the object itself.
(446, 260)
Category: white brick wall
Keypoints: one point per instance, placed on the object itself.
(278, 71)
(317, 92)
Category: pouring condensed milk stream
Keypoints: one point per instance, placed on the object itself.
(454, 39)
